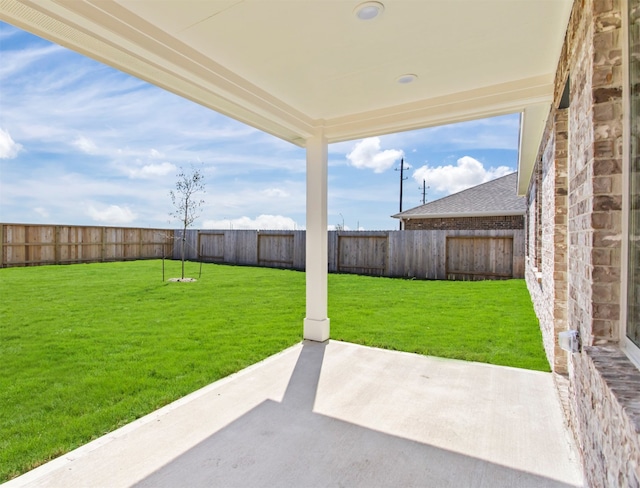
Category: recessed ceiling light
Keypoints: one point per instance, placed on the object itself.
(406, 79)
(369, 10)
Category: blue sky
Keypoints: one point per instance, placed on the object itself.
(84, 144)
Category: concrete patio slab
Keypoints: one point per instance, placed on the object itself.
(338, 414)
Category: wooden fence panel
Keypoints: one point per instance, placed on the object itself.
(299, 249)
(91, 244)
(211, 246)
(275, 250)
(332, 251)
(363, 254)
(246, 247)
(111, 240)
(519, 244)
(66, 252)
(230, 255)
(281, 249)
(156, 243)
(414, 254)
(113, 244)
(479, 258)
(132, 243)
(33, 244)
(14, 252)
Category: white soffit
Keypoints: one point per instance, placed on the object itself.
(291, 67)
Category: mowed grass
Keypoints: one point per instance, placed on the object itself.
(486, 321)
(85, 349)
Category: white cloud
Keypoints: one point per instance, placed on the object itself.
(15, 61)
(151, 170)
(492, 133)
(85, 145)
(43, 212)
(9, 149)
(155, 154)
(468, 172)
(275, 193)
(367, 154)
(266, 222)
(113, 214)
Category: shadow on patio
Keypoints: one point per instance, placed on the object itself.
(337, 414)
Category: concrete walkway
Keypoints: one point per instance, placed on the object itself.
(338, 414)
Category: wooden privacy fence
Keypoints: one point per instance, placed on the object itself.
(272, 249)
(488, 257)
(32, 245)
(420, 254)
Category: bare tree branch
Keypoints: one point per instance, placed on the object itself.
(187, 206)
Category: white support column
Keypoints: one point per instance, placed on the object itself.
(316, 323)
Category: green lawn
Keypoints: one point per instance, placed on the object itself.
(85, 349)
(486, 321)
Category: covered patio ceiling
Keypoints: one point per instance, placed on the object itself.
(293, 68)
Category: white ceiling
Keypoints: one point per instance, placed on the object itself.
(291, 67)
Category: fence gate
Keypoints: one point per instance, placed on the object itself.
(275, 250)
(479, 258)
(211, 247)
(363, 254)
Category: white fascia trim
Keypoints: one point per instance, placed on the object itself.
(500, 99)
(160, 60)
(457, 215)
(532, 124)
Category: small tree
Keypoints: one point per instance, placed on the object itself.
(185, 202)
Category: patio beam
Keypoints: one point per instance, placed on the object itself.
(316, 322)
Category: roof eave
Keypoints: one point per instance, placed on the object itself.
(532, 124)
(187, 74)
(89, 28)
(490, 101)
(457, 215)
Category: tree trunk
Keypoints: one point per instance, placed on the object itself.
(184, 242)
(184, 231)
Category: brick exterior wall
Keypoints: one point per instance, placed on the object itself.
(505, 222)
(580, 288)
(549, 296)
(608, 419)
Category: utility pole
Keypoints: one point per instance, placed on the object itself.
(424, 191)
(402, 178)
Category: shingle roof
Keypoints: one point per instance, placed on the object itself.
(493, 198)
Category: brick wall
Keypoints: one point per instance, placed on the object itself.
(505, 222)
(604, 386)
(547, 273)
(608, 416)
(532, 222)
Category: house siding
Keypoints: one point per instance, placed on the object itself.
(574, 249)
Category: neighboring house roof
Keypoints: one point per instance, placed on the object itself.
(493, 198)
